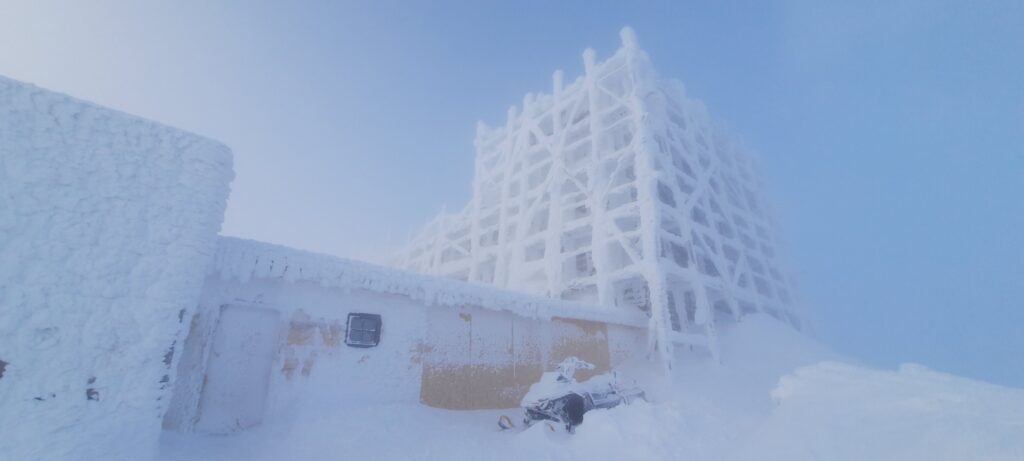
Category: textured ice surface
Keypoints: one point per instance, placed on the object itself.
(107, 225)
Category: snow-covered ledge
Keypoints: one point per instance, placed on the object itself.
(240, 259)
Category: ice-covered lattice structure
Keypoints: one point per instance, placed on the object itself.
(617, 191)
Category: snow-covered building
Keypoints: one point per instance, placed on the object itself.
(122, 311)
(617, 191)
(609, 220)
(278, 328)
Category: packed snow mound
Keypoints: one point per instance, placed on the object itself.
(838, 411)
(107, 222)
(755, 353)
(762, 345)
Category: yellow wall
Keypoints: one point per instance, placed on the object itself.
(476, 358)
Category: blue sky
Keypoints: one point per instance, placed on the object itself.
(892, 133)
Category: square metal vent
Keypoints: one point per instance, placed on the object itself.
(363, 330)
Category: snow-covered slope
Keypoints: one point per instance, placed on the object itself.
(851, 413)
(776, 396)
(107, 223)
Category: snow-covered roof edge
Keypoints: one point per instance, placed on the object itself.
(206, 141)
(242, 260)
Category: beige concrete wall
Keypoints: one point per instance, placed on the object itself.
(456, 358)
(476, 358)
(580, 338)
(312, 368)
(626, 344)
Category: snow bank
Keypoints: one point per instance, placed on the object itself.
(107, 224)
(729, 411)
(838, 411)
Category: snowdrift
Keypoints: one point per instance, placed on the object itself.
(842, 412)
(788, 399)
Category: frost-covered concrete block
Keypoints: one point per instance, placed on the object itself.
(108, 224)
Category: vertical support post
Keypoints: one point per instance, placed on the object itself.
(435, 264)
(475, 205)
(647, 195)
(503, 257)
(553, 240)
(518, 139)
(597, 193)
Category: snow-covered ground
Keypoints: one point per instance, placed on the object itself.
(776, 395)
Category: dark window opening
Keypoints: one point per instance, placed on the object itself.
(363, 330)
(673, 313)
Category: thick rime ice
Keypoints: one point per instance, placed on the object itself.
(242, 260)
(616, 190)
(107, 224)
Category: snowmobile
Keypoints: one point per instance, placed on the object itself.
(559, 398)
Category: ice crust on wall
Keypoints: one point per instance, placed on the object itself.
(242, 260)
(108, 224)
